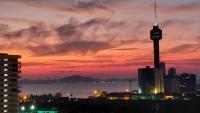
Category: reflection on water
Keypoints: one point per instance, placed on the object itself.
(81, 90)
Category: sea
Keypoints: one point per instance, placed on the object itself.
(78, 90)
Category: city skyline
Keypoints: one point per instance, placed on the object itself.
(98, 38)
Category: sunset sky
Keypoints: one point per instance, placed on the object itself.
(98, 38)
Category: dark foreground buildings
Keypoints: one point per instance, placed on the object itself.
(9, 89)
(171, 82)
(100, 105)
(187, 83)
(146, 80)
(157, 79)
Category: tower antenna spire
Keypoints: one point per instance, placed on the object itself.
(155, 13)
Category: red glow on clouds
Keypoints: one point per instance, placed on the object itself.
(107, 39)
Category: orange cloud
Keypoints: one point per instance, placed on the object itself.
(97, 38)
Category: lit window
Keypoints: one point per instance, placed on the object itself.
(5, 59)
(5, 64)
(5, 80)
(5, 75)
(5, 85)
(5, 69)
(5, 90)
(5, 106)
(5, 95)
(5, 100)
(5, 111)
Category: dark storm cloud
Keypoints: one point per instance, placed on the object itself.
(82, 47)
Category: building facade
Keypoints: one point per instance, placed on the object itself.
(187, 83)
(163, 68)
(171, 85)
(171, 82)
(172, 72)
(9, 89)
(146, 80)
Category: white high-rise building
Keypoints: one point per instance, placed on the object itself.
(9, 89)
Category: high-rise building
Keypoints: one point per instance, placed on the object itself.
(172, 72)
(163, 68)
(171, 82)
(9, 89)
(146, 80)
(187, 83)
(156, 35)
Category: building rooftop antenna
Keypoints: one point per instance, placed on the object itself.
(155, 13)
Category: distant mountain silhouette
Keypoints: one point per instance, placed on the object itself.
(78, 78)
(73, 79)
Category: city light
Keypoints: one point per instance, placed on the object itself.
(155, 91)
(5, 75)
(25, 98)
(5, 95)
(32, 107)
(95, 91)
(23, 108)
(127, 90)
(126, 98)
(169, 97)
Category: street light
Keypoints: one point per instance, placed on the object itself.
(30, 110)
(32, 107)
(23, 108)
